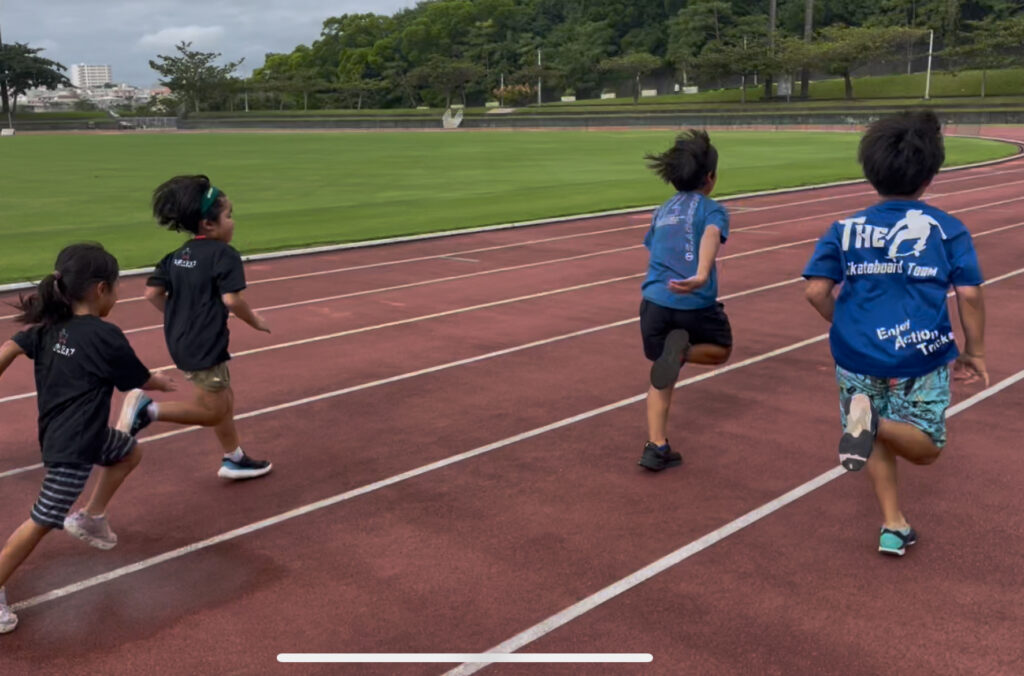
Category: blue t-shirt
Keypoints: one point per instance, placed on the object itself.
(674, 242)
(896, 261)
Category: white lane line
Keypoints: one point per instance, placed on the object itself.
(29, 395)
(832, 214)
(446, 313)
(627, 212)
(420, 372)
(623, 585)
(424, 469)
(390, 481)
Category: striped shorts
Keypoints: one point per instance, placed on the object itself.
(64, 482)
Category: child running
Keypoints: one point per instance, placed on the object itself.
(194, 287)
(681, 319)
(891, 336)
(79, 360)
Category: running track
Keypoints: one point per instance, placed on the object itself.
(468, 411)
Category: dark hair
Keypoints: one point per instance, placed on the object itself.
(78, 268)
(687, 164)
(902, 153)
(178, 203)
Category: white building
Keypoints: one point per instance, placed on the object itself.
(86, 76)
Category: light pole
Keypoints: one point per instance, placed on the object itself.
(928, 77)
(538, 77)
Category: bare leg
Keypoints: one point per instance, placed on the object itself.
(908, 442)
(882, 470)
(658, 403)
(19, 546)
(225, 430)
(111, 479)
(708, 354)
(903, 440)
(207, 409)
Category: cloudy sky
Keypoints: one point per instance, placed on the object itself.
(127, 33)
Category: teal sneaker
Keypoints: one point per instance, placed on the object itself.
(895, 542)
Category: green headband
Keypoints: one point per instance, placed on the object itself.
(209, 199)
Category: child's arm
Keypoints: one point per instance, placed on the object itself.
(971, 303)
(240, 307)
(709, 245)
(819, 294)
(9, 351)
(160, 382)
(157, 295)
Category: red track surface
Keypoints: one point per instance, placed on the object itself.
(463, 557)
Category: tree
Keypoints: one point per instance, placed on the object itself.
(193, 75)
(446, 76)
(990, 46)
(737, 56)
(21, 69)
(634, 65)
(841, 49)
(574, 48)
(805, 71)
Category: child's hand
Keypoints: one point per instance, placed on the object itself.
(260, 324)
(969, 367)
(161, 382)
(688, 285)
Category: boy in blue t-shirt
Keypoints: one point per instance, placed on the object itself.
(680, 316)
(891, 335)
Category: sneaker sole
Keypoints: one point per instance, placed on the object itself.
(8, 628)
(657, 466)
(128, 409)
(88, 539)
(240, 474)
(897, 552)
(665, 370)
(854, 450)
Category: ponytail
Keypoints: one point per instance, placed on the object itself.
(79, 268)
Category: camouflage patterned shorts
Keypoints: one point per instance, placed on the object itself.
(921, 401)
(216, 379)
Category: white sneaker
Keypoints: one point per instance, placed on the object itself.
(8, 620)
(93, 530)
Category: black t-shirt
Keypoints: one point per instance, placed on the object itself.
(77, 365)
(195, 318)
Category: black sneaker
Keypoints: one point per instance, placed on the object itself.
(246, 468)
(134, 416)
(665, 369)
(858, 439)
(656, 459)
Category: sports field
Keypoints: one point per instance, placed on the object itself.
(294, 190)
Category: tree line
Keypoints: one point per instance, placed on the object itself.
(471, 51)
(442, 51)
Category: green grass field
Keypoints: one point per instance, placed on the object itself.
(294, 190)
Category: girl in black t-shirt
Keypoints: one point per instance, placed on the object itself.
(194, 287)
(79, 360)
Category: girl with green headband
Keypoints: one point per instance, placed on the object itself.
(194, 287)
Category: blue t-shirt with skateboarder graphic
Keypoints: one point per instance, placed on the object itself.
(896, 262)
(674, 242)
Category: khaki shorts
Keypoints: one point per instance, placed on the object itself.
(216, 379)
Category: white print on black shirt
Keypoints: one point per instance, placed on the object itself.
(916, 226)
(903, 337)
(61, 346)
(185, 260)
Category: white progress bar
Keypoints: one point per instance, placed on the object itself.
(462, 658)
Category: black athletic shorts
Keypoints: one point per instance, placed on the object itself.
(706, 325)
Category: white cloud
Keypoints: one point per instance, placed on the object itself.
(200, 36)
